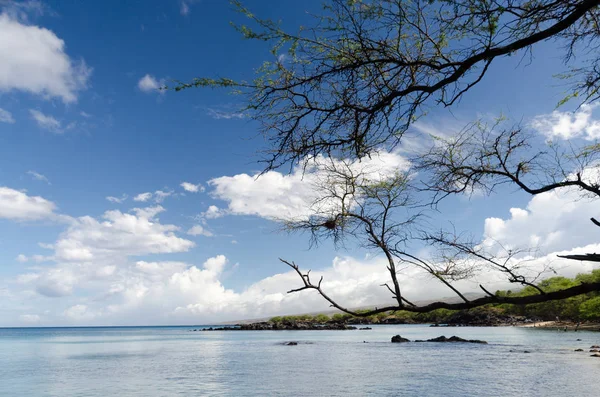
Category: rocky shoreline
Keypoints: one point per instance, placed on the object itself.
(459, 319)
(296, 326)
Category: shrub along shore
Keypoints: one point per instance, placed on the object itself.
(576, 313)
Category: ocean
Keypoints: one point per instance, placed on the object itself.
(176, 361)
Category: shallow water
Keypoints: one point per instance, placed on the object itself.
(167, 361)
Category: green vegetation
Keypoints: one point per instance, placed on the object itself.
(578, 308)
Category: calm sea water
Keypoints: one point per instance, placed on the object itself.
(170, 361)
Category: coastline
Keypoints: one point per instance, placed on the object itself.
(563, 326)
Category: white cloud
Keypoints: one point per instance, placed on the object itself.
(143, 197)
(149, 84)
(17, 205)
(117, 200)
(118, 236)
(34, 60)
(192, 188)
(198, 230)
(46, 122)
(22, 10)
(79, 313)
(29, 318)
(225, 115)
(274, 195)
(84, 114)
(6, 117)
(158, 196)
(567, 125)
(38, 177)
(21, 258)
(184, 8)
(552, 221)
(166, 292)
(213, 212)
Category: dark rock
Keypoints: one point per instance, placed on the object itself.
(283, 326)
(595, 355)
(595, 347)
(399, 339)
(453, 339)
(578, 340)
(578, 350)
(291, 344)
(526, 351)
(366, 328)
(594, 351)
(483, 318)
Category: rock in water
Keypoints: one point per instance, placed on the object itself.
(399, 339)
(454, 339)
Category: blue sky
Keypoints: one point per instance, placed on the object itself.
(84, 133)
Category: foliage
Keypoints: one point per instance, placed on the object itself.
(356, 78)
(353, 83)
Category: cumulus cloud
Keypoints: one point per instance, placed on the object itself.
(213, 212)
(274, 195)
(192, 188)
(6, 116)
(21, 258)
(567, 125)
(34, 60)
(119, 235)
(149, 84)
(17, 205)
(551, 221)
(198, 230)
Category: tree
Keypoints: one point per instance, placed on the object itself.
(351, 86)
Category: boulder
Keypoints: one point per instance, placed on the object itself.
(578, 350)
(595, 355)
(454, 339)
(594, 351)
(291, 343)
(399, 339)
(594, 347)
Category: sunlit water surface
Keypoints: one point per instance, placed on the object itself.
(168, 361)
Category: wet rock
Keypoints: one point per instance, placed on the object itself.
(578, 350)
(594, 347)
(365, 328)
(291, 344)
(595, 355)
(283, 326)
(594, 351)
(578, 340)
(399, 339)
(453, 339)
